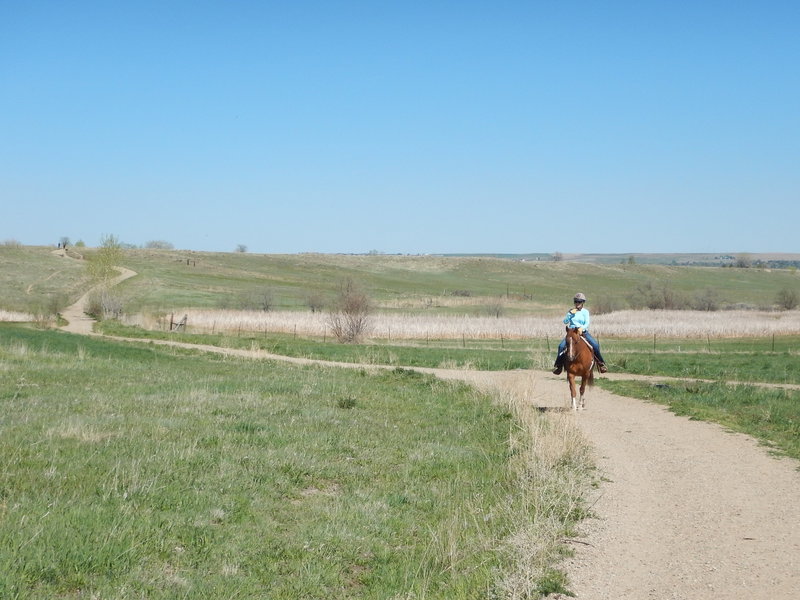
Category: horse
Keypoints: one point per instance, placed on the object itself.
(578, 362)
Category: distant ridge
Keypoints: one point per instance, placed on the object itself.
(773, 260)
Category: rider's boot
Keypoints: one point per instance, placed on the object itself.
(602, 366)
(559, 365)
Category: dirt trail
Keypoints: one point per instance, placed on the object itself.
(78, 320)
(686, 510)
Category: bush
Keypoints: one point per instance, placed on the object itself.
(102, 262)
(159, 245)
(349, 319)
(654, 297)
(706, 300)
(105, 305)
(603, 306)
(495, 309)
(787, 299)
(257, 300)
(315, 301)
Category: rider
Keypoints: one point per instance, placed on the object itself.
(578, 318)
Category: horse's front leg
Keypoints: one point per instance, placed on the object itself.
(571, 380)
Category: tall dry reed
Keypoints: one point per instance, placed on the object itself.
(628, 323)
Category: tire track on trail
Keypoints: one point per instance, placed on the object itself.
(685, 510)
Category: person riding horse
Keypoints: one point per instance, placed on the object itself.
(578, 318)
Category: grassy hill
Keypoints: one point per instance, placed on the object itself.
(173, 278)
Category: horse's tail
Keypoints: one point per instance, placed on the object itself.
(590, 379)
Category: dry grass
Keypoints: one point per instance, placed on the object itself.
(629, 323)
(11, 316)
(554, 465)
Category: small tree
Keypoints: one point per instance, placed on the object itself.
(495, 309)
(744, 261)
(241, 248)
(707, 300)
(315, 301)
(101, 263)
(787, 299)
(105, 305)
(159, 245)
(349, 318)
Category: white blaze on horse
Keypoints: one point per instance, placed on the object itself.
(578, 362)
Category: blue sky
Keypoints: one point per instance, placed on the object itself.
(402, 127)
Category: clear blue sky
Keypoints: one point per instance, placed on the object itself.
(410, 127)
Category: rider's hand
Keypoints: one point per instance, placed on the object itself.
(573, 310)
(580, 330)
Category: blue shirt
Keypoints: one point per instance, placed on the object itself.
(579, 319)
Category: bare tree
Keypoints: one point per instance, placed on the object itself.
(787, 299)
(159, 245)
(315, 301)
(744, 261)
(349, 317)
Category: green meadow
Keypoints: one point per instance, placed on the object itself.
(133, 471)
(174, 278)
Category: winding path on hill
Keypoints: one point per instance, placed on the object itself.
(686, 510)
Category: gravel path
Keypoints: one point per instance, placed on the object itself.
(685, 510)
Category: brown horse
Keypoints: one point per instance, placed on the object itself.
(578, 362)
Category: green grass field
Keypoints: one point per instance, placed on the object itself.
(172, 278)
(131, 471)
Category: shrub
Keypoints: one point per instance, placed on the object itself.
(787, 299)
(101, 263)
(495, 309)
(648, 295)
(159, 245)
(315, 301)
(263, 300)
(601, 306)
(707, 300)
(105, 305)
(349, 319)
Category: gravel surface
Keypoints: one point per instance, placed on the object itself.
(686, 509)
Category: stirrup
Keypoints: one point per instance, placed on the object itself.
(557, 370)
(602, 368)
